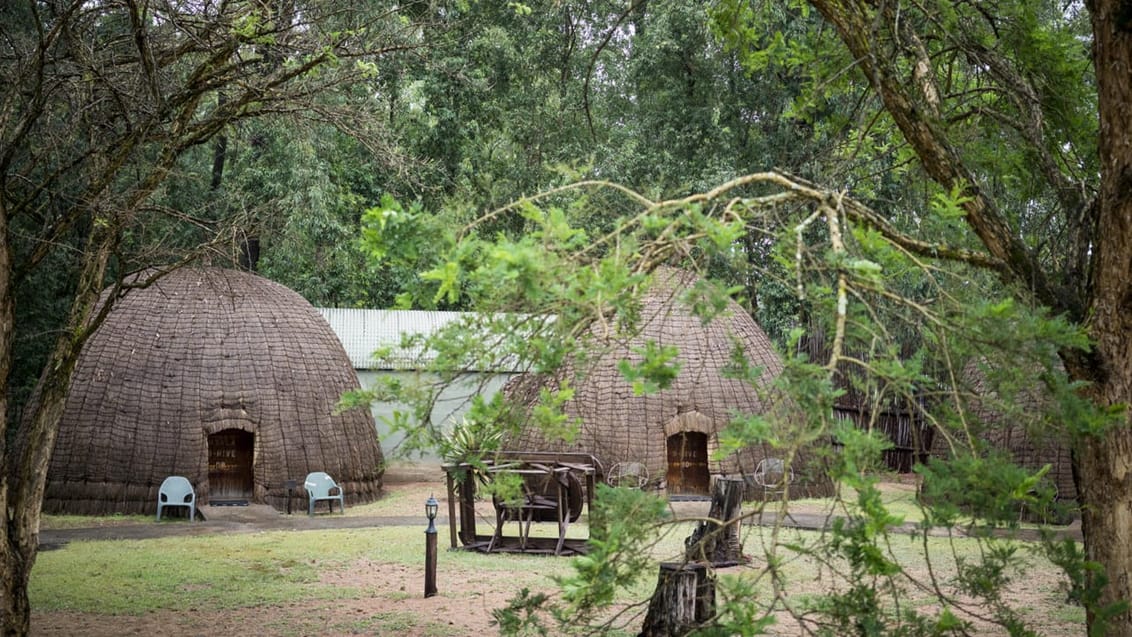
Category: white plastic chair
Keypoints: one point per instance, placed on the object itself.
(628, 474)
(321, 486)
(177, 491)
(772, 475)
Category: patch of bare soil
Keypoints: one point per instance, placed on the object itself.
(395, 606)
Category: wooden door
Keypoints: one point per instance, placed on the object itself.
(688, 472)
(230, 456)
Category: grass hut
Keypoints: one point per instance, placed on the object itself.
(674, 433)
(220, 376)
(1020, 430)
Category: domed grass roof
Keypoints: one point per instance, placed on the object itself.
(202, 356)
(618, 426)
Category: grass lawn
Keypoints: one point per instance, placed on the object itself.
(369, 581)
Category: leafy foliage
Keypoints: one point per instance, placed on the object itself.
(594, 284)
(623, 525)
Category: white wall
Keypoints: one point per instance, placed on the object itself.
(453, 403)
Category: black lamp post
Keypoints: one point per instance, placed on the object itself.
(431, 507)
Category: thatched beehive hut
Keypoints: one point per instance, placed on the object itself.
(674, 433)
(217, 375)
(1019, 433)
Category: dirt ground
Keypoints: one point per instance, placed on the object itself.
(463, 607)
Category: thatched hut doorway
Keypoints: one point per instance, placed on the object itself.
(230, 458)
(688, 472)
(673, 432)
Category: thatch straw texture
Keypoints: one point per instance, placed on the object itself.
(204, 351)
(618, 426)
(1018, 433)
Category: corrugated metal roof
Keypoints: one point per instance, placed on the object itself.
(364, 332)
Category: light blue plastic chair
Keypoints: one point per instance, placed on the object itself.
(320, 486)
(177, 491)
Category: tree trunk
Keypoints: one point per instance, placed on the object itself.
(684, 599)
(25, 491)
(859, 26)
(219, 155)
(717, 540)
(25, 471)
(1105, 463)
(14, 610)
(249, 253)
(468, 507)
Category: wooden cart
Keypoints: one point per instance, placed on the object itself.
(554, 487)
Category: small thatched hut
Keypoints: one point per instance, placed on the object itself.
(674, 433)
(217, 375)
(1030, 443)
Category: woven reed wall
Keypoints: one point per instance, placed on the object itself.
(902, 423)
(201, 351)
(617, 426)
(910, 436)
(1028, 451)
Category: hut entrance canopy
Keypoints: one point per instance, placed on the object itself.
(231, 454)
(221, 376)
(674, 432)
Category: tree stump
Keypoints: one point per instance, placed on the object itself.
(716, 541)
(684, 600)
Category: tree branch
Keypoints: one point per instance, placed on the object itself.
(864, 31)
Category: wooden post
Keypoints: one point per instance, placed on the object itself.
(684, 600)
(430, 563)
(468, 506)
(717, 541)
(451, 505)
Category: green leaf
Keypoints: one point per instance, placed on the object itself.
(448, 278)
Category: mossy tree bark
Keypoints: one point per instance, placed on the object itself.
(25, 467)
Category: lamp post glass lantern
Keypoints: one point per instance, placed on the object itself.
(431, 507)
